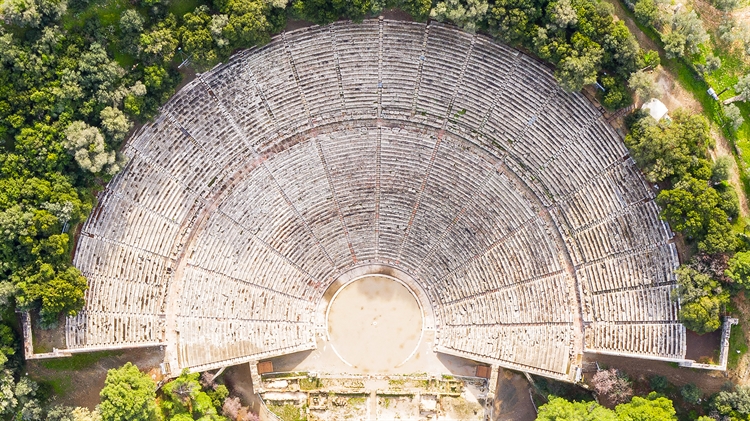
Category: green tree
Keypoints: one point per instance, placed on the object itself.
(560, 409)
(667, 150)
(184, 396)
(326, 11)
(159, 44)
(643, 84)
(580, 66)
(691, 393)
(686, 35)
(128, 395)
(86, 144)
(201, 36)
(742, 87)
(692, 208)
(418, 9)
(652, 408)
(701, 300)
(115, 124)
(738, 269)
(734, 403)
(464, 13)
(247, 24)
(733, 116)
(32, 13)
(646, 12)
(721, 169)
(514, 20)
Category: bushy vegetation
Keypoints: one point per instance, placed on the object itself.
(699, 203)
(653, 407)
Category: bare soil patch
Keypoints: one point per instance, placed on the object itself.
(77, 380)
(512, 400)
(641, 370)
(703, 347)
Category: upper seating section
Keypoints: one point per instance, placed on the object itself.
(441, 153)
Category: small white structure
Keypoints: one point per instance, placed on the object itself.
(656, 109)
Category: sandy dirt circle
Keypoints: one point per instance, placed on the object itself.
(374, 323)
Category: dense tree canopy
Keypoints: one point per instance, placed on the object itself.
(128, 395)
(734, 403)
(695, 209)
(654, 407)
(701, 299)
(559, 409)
(669, 149)
(185, 397)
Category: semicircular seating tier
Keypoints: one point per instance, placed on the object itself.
(455, 159)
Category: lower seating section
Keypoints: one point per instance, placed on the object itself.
(510, 202)
(523, 255)
(204, 341)
(613, 190)
(652, 266)
(653, 304)
(632, 229)
(660, 340)
(226, 248)
(95, 330)
(496, 210)
(211, 295)
(540, 300)
(542, 348)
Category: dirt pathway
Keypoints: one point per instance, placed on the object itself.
(674, 96)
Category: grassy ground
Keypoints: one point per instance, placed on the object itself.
(737, 347)
(107, 11)
(77, 361)
(179, 8)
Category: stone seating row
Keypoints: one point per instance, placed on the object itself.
(120, 220)
(207, 294)
(615, 189)
(520, 345)
(232, 251)
(152, 188)
(647, 304)
(540, 300)
(208, 340)
(650, 267)
(636, 227)
(660, 340)
(93, 329)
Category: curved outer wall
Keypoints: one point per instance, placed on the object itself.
(439, 153)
